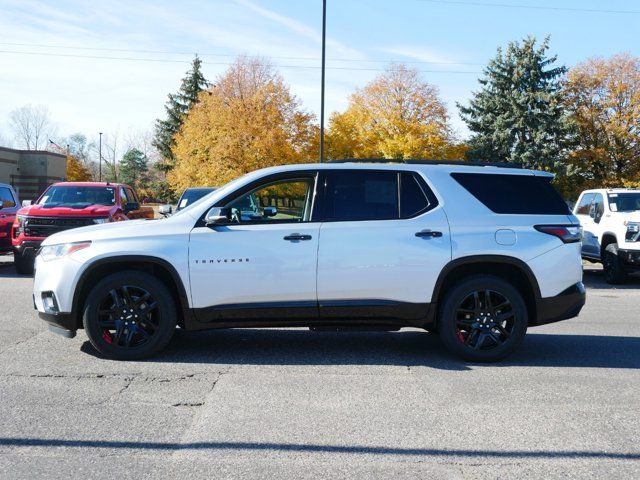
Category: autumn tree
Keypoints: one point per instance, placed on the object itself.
(247, 120)
(77, 171)
(176, 108)
(397, 115)
(517, 116)
(603, 98)
(31, 126)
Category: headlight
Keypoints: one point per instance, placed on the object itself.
(18, 225)
(101, 220)
(632, 227)
(51, 252)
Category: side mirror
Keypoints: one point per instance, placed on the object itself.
(217, 216)
(27, 203)
(592, 211)
(269, 211)
(131, 206)
(165, 210)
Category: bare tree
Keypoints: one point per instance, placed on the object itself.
(31, 125)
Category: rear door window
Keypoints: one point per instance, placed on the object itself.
(514, 194)
(415, 197)
(361, 195)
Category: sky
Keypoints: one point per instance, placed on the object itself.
(109, 65)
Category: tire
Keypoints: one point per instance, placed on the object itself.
(129, 315)
(613, 269)
(23, 264)
(479, 330)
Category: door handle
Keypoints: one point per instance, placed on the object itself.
(428, 233)
(297, 236)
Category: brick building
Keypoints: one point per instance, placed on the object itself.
(31, 171)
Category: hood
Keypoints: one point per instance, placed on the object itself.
(101, 231)
(67, 210)
(629, 216)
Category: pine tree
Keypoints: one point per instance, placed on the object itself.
(517, 116)
(133, 168)
(177, 106)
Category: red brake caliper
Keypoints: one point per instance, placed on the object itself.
(460, 335)
(107, 336)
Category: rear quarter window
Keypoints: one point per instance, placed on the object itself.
(514, 194)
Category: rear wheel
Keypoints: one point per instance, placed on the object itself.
(23, 263)
(129, 315)
(613, 269)
(483, 319)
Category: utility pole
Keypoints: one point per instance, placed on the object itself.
(324, 37)
(100, 159)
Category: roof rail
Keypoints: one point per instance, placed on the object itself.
(415, 161)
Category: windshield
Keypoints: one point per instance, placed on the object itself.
(78, 196)
(624, 202)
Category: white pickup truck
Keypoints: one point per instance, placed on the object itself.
(610, 220)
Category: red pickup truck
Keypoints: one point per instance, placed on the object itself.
(68, 205)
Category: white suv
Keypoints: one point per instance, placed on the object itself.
(476, 253)
(611, 222)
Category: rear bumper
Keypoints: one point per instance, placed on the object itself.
(563, 306)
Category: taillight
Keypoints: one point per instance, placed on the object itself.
(566, 233)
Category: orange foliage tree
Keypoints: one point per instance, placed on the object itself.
(603, 98)
(247, 120)
(397, 115)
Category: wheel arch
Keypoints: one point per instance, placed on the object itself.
(607, 239)
(158, 267)
(512, 269)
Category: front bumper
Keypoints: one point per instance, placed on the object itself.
(563, 306)
(28, 248)
(62, 323)
(629, 258)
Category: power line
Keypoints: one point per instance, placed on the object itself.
(534, 7)
(159, 60)
(173, 52)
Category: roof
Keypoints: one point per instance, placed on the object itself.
(426, 166)
(612, 190)
(91, 184)
(40, 152)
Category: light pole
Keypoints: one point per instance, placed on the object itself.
(324, 36)
(100, 159)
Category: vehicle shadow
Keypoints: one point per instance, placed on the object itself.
(404, 348)
(593, 278)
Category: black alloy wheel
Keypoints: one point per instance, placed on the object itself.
(129, 315)
(483, 318)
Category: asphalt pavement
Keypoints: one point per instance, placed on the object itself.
(289, 403)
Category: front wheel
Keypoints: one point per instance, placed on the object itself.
(483, 319)
(129, 315)
(613, 270)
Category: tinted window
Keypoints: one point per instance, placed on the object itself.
(412, 197)
(584, 204)
(361, 195)
(624, 202)
(131, 195)
(514, 194)
(285, 201)
(6, 199)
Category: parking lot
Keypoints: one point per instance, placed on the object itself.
(289, 403)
